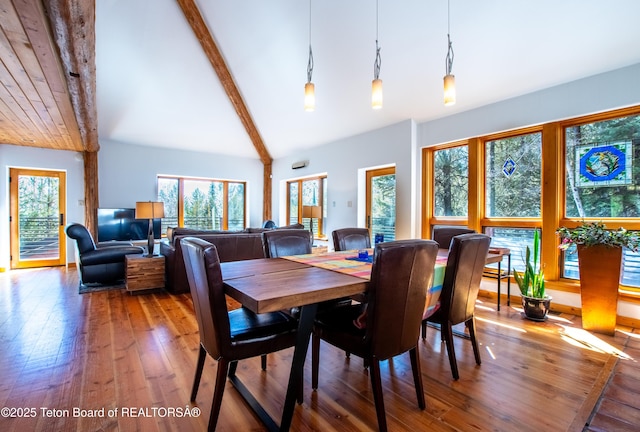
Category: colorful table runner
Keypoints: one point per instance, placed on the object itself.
(339, 262)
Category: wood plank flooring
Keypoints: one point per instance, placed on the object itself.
(128, 361)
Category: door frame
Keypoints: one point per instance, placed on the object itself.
(15, 262)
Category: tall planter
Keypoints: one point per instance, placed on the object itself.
(599, 282)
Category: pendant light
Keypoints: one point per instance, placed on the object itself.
(449, 79)
(376, 84)
(309, 88)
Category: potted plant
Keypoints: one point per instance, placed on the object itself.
(535, 302)
(599, 260)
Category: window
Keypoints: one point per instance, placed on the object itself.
(601, 181)
(451, 183)
(202, 203)
(512, 176)
(513, 191)
(307, 192)
(590, 171)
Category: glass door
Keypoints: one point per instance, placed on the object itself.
(37, 218)
(381, 203)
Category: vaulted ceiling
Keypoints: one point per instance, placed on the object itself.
(154, 84)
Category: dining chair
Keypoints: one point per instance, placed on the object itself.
(462, 277)
(351, 239)
(278, 243)
(400, 275)
(443, 234)
(227, 336)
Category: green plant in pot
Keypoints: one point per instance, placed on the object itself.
(599, 259)
(535, 302)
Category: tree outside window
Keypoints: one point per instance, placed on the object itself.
(202, 203)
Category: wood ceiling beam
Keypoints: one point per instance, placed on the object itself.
(204, 36)
(73, 24)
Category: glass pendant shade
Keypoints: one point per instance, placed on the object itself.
(376, 94)
(449, 89)
(309, 97)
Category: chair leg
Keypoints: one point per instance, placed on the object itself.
(232, 368)
(471, 326)
(376, 384)
(221, 380)
(417, 376)
(315, 360)
(202, 355)
(447, 336)
(263, 362)
(424, 329)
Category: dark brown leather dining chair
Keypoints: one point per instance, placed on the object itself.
(443, 234)
(401, 273)
(462, 277)
(278, 243)
(351, 238)
(227, 336)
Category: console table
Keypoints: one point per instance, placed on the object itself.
(143, 272)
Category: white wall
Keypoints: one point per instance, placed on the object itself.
(342, 161)
(127, 173)
(616, 89)
(28, 157)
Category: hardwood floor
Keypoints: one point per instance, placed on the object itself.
(62, 352)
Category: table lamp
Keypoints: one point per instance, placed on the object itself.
(150, 210)
(311, 212)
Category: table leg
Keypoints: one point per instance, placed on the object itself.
(509, 280)
(305, 325)
(499, 278)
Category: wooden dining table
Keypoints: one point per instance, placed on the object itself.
(273, 284)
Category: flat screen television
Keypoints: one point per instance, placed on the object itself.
(121, 225)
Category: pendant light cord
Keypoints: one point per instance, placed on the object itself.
(449, 59)
(310, 63)
(378, 61)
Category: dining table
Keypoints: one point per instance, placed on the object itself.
(302, 281)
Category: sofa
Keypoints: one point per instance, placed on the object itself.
(232, 246)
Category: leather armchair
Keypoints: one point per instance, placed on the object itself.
(99, 264)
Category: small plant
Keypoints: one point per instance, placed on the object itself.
(531, 281)
(595, 233)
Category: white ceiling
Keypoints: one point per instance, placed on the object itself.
(156, 87)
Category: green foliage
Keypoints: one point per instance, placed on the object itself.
(595, 233)
(608, 201)
(451, 181)
(525, 182)
(531, 281)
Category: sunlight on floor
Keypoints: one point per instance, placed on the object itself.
(631, 335)
(582, 338)
(572, 335)
(510, 327)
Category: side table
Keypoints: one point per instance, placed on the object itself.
(495, 255)
(143, 272)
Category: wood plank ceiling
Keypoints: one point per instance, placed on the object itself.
(35, 99)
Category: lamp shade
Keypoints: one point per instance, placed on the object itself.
(312, 212)
(149, 210)
(449, 89)
(309, 97)
(376, 94)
